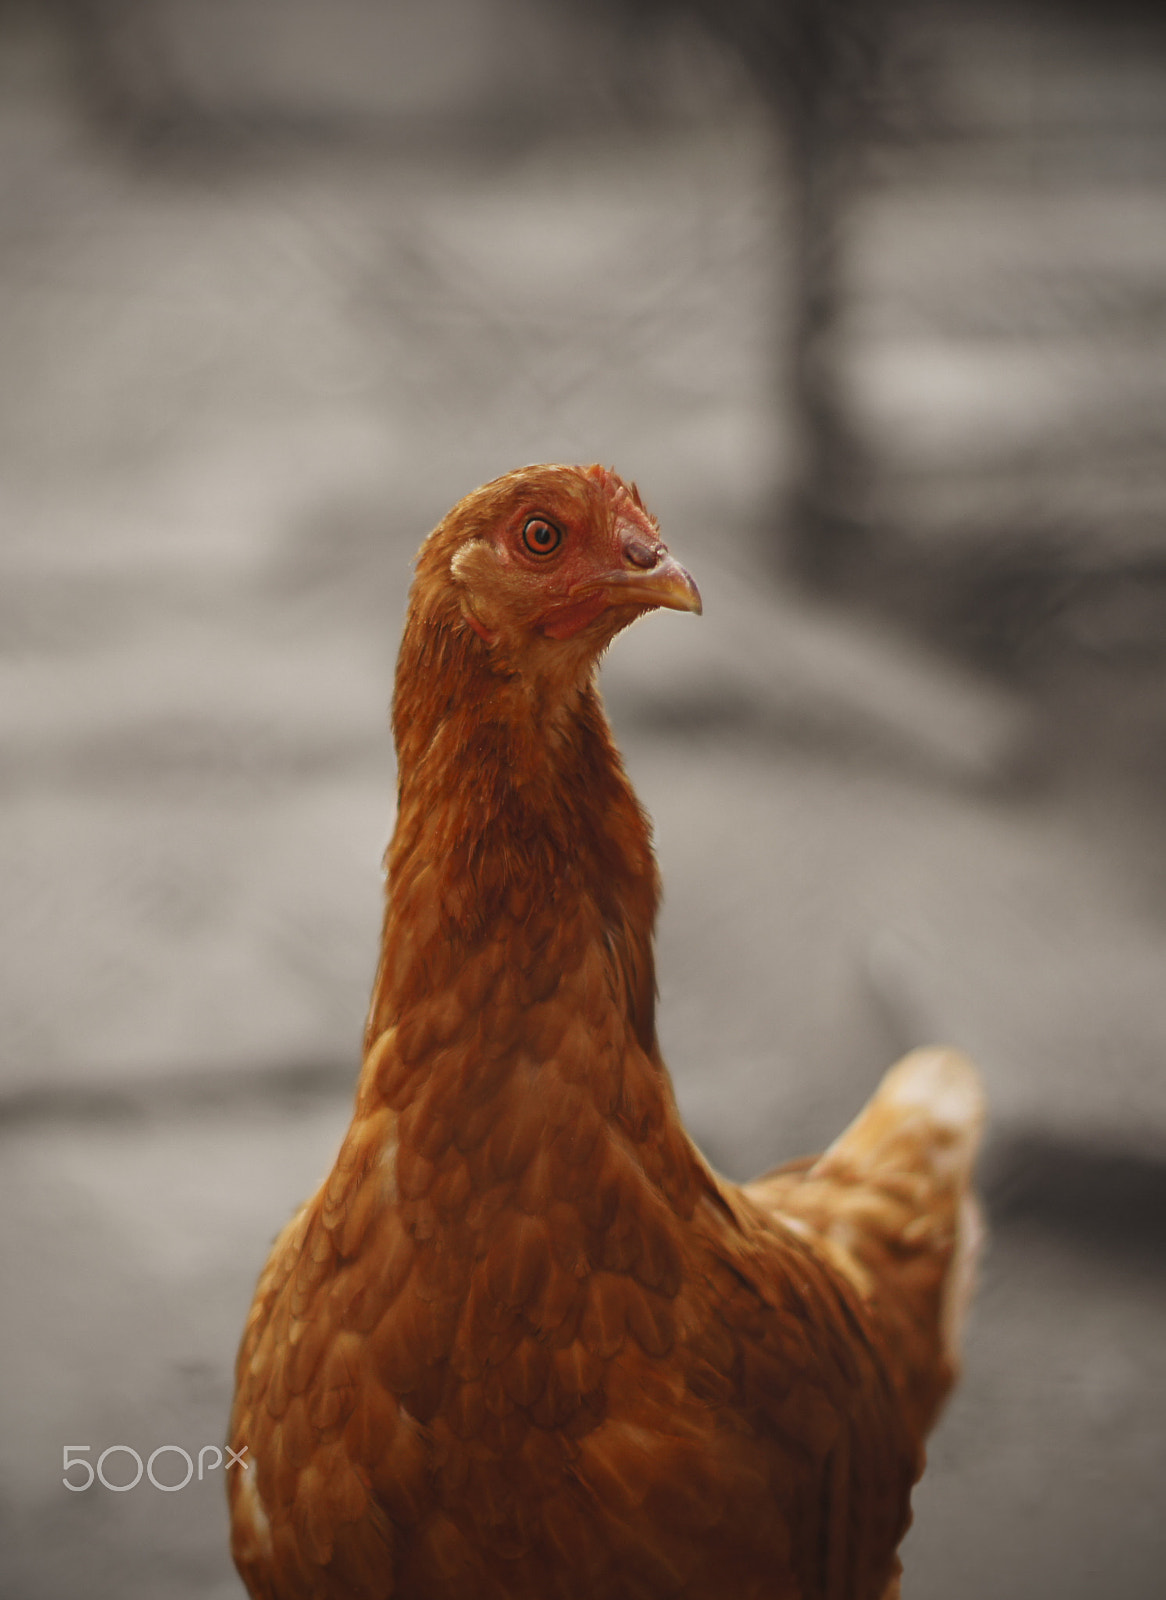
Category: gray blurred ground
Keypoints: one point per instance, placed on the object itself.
(237, 385)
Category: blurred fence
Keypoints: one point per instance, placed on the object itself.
(970, 323)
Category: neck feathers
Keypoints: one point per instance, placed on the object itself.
(513, 1015)
(516, 826)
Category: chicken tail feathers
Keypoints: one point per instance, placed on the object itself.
(891, 1203)
(922, 1128)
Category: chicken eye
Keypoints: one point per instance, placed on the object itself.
(541, 537)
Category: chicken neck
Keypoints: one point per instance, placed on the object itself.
(516, 984)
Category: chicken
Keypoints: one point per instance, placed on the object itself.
(523, 1341)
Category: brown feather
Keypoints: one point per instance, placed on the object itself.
(523, 1342)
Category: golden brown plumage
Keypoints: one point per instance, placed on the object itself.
(523, 1342)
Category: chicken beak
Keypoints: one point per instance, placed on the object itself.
(652, 577)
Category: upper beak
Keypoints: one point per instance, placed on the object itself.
(650, 577)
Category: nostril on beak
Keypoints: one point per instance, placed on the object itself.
(640, 553)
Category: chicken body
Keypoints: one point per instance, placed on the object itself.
(523, 1341)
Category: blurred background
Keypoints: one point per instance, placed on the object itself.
(870, 298)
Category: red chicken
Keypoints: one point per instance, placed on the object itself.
(523, 1342)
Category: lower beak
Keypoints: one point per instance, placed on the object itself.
(666, 584)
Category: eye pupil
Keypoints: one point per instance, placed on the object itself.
(541, 537)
